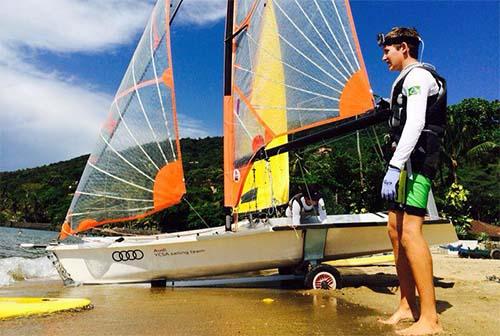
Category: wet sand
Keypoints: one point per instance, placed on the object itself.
(468, 305)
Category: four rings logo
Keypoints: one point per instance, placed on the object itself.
(127, 255)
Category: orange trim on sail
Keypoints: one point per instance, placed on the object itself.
(172, 90)
(169, 186)
(233, 178)
(168, 78)
(88, 224)
(364, 73)
(356, 96)
(140, 85)
(228, 151)
(246, 20)
(251, 108)
(66, 231)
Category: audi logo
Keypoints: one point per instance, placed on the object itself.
(127, 255)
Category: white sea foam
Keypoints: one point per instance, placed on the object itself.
(18, 269)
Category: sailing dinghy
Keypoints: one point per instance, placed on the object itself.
(294, 74)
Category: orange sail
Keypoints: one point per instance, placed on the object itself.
(136, 167)
(315, 77)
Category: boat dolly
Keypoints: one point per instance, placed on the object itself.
(311, 272)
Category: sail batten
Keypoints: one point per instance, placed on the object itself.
(295, 66)
(309, 40)
(286, 85)
(155, 138)
(336, 40)
(136, 168)
(124, 159)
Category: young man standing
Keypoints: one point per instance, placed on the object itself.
(418, 105)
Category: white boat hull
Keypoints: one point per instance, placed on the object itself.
(210, 252)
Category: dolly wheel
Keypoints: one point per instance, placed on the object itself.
(323, 277)
(495, 254)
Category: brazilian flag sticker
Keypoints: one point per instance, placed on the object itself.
(414, 90)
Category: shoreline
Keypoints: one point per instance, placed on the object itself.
(30, 226)
(466, 303)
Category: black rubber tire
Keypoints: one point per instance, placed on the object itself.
(495, 254)
(323, 277)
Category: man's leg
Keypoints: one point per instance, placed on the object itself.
(407, 305)
(420, 261)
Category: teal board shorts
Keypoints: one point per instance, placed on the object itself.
(412, 194)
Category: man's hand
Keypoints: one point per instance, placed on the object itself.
(389, 184)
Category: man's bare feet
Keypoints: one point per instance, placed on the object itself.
(422, 327)
(400, 315)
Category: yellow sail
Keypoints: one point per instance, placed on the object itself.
(267, 181)
(291, 68)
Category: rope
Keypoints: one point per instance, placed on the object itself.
(196, 212)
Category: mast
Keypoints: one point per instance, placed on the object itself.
(228, 64)
(228, 46)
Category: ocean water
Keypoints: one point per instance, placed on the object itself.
(19, 264)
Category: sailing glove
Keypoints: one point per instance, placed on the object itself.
(389, 184)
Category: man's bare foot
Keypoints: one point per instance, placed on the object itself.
(399, 315)
(422, 327)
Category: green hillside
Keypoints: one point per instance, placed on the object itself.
(466, 186)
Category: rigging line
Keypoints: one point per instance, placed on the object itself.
(330, 141)
(345, 34)
(270, 177)
(144, 111)
(378, 149)
(309, 59)
(109, 210)
(287, 85)
(374, 145)
(118, 178)
(196, 212)
(309, 40)
(113, 197)
(360, 157)
(334, 36)
(266, 107)
(243, 125)
(175, 12)
(322, 39)
(305, 183)
(294, 68)
(132, 135)
(248, 43)
(124, 159)
(158, 86)
(122, 93)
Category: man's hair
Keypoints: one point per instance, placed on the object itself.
(408, 35)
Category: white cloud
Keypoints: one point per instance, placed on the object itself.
(72, 25)
(46, 116)
(191, 128)
(201, 12)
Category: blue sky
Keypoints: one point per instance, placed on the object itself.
(61, 70)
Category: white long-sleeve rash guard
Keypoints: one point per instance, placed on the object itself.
(417, 87)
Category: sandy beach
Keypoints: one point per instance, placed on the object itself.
(468, 304)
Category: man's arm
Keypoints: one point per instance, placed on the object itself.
(295, 213)
(322, 210)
